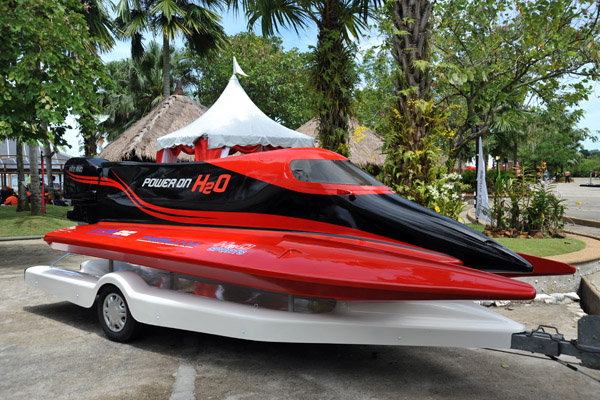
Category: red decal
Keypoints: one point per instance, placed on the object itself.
(208, 187)
(222, 183)
(200, 183)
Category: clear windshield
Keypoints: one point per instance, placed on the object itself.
(331, 171)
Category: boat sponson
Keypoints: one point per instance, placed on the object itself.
(309, 265)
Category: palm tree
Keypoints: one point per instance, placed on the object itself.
(101, 31)
(509, 129)
(200, 26)
(138, 86)
(100, 26)
(332, 75)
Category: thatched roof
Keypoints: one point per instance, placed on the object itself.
(365, 146)
(138, 143)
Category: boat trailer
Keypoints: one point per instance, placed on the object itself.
(161, 298)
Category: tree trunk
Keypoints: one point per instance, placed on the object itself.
(21, 189)
(48, 162)
(333, 79)
(35, 189)
(88, 129)
(461, 163)
(89, 145)
(411, 154)
(166, 67)
(515, 153)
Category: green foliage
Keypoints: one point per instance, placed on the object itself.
(138, 86)
(413, 143)
(414, 128)
(591, 163)
(492, 175)
(527, 206)
(494, 56)
(553, 138)
(332, 71)
(47, 69)
(546, 211)
(275, 15)
(516, 69)
(194, 20)
(469, 178)
(277, 83)
(376, 89)
(100, 26)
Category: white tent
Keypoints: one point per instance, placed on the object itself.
(233, 123)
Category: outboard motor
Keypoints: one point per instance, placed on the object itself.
(82, 176)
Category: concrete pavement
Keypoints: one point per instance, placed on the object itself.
(52, 349)
(583, 204)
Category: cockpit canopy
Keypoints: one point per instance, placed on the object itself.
(340, 172)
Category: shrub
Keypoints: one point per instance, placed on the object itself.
(469, 178)
(445, 195)
(527, 205)
(584, 168)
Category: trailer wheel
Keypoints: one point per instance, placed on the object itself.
(115, 317)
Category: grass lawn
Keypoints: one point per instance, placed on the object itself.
(13, 223)
(537, 247)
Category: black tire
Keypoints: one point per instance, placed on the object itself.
(114, 315)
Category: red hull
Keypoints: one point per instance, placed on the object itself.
(307, 264)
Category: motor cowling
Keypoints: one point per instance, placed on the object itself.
(82, 177)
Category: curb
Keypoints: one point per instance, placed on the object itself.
(582, 234)
(590, 296)
(9, 238)
(583, 222)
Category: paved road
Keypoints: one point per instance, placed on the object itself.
(587, 197)
(50, 349)
(582, 202)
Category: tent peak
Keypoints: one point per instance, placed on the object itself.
(237, 69)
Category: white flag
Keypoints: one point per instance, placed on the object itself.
(237, 69)
(482, 208)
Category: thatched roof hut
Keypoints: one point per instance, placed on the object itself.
(365, 146)
(138, 143)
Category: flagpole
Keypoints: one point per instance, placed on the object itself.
(477, 139)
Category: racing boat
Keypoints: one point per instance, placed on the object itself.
(298, 221)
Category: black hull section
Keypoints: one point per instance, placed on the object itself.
(201, 193)
(394, 216)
